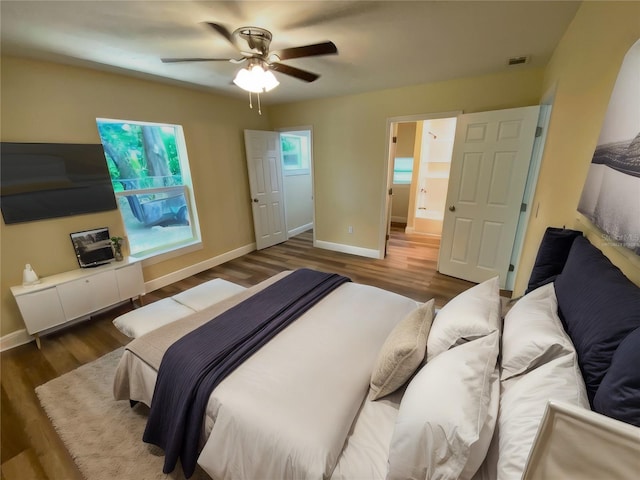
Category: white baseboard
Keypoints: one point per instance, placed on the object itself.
(340, 247)
(398, 219)
(413, 231)
(15, 339)
(178, 275)
(298, 230)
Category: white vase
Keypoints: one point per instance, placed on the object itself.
(29, 277)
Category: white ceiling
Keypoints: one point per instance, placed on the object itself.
(381, 44)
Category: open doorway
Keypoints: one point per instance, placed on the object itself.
(297, 171)
(280, 167)
(481, 188)
(419, 163)
(430, 179)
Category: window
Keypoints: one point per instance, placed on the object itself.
(150, 176)
(295, 152)
(402, 170)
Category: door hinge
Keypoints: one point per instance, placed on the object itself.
(394, 139)
(391, 191)
(523, 207)
(388, 237)
(538, 132)
(511, 267)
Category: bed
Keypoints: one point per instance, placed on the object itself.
(369, 384)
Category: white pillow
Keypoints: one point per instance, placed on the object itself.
(533, 334)
(446, 417)
(522, 404)
(473, 313)
(402, 352)
(481, 449)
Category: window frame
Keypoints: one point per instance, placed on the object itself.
(170, 250)
(303, 165)
(395, 170)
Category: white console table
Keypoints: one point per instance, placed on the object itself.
(65, 297)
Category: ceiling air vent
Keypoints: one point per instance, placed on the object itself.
(518, 60)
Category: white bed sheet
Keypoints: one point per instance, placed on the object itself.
(289, 409)
(366, 450)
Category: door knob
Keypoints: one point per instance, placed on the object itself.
(452, 208)
(255, 200)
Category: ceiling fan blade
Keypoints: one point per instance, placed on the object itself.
(324, 48)
(295, 72)
(222, 30)
(178, 60)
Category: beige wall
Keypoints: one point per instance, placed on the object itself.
(406, 137)
(580, 77)
(349, 142)
(53, 103)
(413, 188)
(400, 205)
(45, 102)
(350, 131)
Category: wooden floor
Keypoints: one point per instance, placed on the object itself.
(31, 449)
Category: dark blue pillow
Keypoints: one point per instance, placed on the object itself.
(619, 392)
(552, 255)
(599, 307)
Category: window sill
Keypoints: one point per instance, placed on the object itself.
(163, 255)
(295, 172)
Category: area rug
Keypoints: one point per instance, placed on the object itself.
(104, 436)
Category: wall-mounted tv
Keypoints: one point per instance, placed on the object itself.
(49, 180)
(93, 247)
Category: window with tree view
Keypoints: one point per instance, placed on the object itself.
(150, 176)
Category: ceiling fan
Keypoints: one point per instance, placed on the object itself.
(253, 45)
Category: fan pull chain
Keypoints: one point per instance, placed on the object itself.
(251, 103)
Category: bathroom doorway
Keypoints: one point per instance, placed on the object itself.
(420, 162)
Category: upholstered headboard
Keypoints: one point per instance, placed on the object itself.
(552, 255)
(623, 258)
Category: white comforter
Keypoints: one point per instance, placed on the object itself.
(288, 410)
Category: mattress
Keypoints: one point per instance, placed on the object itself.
(297, 408)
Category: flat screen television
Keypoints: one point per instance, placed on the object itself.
(49, 180)
(93, 247)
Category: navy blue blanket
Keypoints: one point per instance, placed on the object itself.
(195, 364)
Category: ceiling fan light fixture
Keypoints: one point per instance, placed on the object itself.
(256, 79)
(245, 81)
(270, 81)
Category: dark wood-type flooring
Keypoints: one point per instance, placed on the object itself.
(31, 449)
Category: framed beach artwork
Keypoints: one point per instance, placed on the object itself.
(611, 193)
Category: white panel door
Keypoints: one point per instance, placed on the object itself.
(265, 182)
(491, 156)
